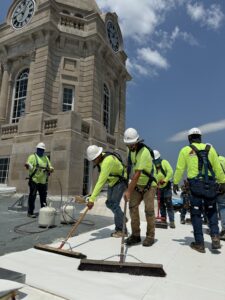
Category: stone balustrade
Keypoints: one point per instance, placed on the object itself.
(9, 131)
(50, 126)
(71, 21)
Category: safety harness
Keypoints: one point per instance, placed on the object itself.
(37, 166)
(203, 161)
(150, 175)
(203, 185)
(159, 168)
(117, 155)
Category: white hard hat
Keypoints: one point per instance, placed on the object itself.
(93, 152)
(40, 146)
(131, 136)
(194, 131)
(156, 154)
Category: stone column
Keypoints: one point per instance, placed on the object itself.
(4, 91)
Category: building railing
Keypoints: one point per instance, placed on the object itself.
(9, 131)
(50, 126)
(70, 21)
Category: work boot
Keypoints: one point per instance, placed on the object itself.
(148, 241)
(182, 221)
(200, 247)
(222, 235)
(118, 234)
(31, 216)
(172, 225)
(215, 242)
(133, 240)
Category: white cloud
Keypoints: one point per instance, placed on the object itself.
(211, 17)
(135, 68)
(167, 40)
(140, 23)
(152, 57)
(139, 19)
(206, 128)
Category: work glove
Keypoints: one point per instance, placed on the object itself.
(162, 181)
(222, 188)
(51, 170)
(28, 166)
(90, 204)
(175, 188)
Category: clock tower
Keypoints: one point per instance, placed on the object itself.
(62, 82)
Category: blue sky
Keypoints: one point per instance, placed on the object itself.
(176, 51)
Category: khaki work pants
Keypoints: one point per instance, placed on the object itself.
(135, 201)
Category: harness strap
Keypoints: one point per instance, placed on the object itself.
(149, 175)
(36, 167)
(204, 161)
(121, 177)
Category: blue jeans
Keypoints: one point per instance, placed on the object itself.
(221, 207)
(198, 205)
(166, 204)
(114, 196)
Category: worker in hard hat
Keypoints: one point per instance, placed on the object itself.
(39, 167)
(141, 187)
(111, 171)
(196, 158)
(163, 175)
(221, 202)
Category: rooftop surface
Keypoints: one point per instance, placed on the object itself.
(190, 275)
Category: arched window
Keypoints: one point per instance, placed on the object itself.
(106, 108)
(20, 95)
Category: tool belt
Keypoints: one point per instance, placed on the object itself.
(167, 187)
(206, 189)
(121, 179)
(145, 189)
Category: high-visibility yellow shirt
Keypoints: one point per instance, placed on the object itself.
(168, 171)
(42, 164)
(142, 161)
(222, 162)
(109, 166)
(188, 160)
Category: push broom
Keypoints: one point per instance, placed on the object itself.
(132, 268)
(61, 251)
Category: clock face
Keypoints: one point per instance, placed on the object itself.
(23, 13)
(113, 35)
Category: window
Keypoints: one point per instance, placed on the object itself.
(68, 98)
(106, 108)
(20, 95)
(86, 177)
(4, 169)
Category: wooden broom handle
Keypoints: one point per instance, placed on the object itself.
(74, 228)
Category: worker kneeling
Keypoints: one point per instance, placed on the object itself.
(112, 171)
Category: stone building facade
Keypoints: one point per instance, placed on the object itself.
(63, 82)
